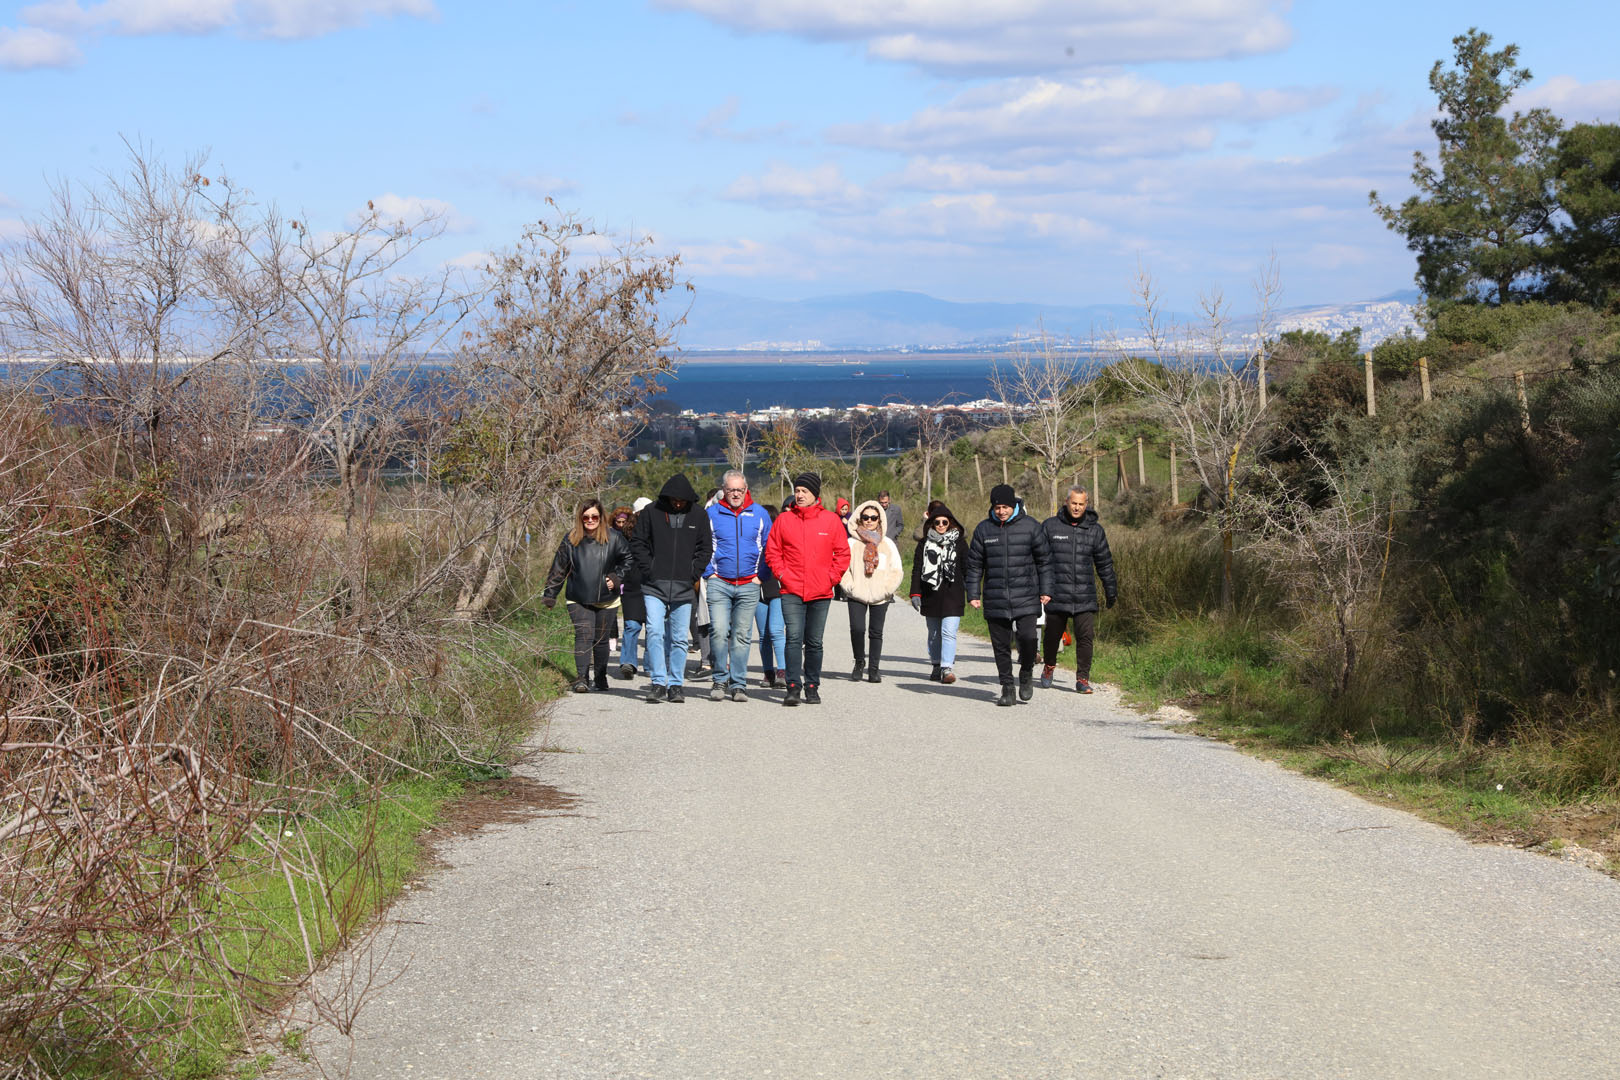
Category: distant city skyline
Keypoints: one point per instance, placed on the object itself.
(1037, 151)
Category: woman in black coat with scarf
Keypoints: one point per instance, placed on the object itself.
(936, 586)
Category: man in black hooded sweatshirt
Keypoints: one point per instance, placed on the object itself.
(1010, 560)
(672, 545)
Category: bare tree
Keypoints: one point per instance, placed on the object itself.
(739, 433)
(866, 432)
(564, 355)
(781, 450)
(1331, 552)
(1051, 408)
(1205, 386)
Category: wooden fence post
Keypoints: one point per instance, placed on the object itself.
(1175, 481)
(1372, 405)
(1524, 401)
(1264, 398)
(978, 474)
(1124, 483)
(1141, 464)
(1423, 375)
(947, 476)
(1005, 478)
(1096, 486)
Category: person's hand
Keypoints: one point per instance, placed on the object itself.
(1112, 600)
(916, 603)
(976, 603)
(611, 584)
(549, 601)
(1045, 599)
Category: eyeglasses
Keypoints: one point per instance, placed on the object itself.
(592, 516)
(736, 491)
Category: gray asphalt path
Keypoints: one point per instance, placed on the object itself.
(907, 881)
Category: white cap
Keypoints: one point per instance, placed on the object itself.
(641, 504)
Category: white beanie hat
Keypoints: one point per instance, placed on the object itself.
(641, 504)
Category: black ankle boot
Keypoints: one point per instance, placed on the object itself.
(859, 670)
(1009, 696)
(792, 696)
(811, 695)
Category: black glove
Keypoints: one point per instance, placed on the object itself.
(551, 601)
(916, 604)
(1111, 601)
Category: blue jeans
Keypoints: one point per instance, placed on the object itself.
(803, 622)
(772, 637)
(942, 640)
(630, 644)
(667, 628)
(731, 629)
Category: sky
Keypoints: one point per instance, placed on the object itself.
(1020, 150)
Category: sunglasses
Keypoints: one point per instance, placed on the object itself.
(942, 521)
(869, 517)
(592, 516)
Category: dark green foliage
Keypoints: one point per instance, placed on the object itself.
(1491, 328)
(1586, 256)
(1297, 353)
(1479, 219)
(1397, 357)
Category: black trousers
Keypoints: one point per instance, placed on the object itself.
(1085, 633)
(870, 628)
(1002, 632)
(592, 627)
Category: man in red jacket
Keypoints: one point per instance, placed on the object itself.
(808, 551)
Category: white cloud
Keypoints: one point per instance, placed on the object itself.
(718, 124)
(30, 47)
(412, 208)
(1017, 35)
(12, 229)
(1111, 116)
(1573, 101)
(537, 185)
(784, 187)
(53, 30)
(470, 260)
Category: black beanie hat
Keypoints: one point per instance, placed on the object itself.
(1003, 495)
(809, 480)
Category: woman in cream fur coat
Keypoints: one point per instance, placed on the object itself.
(869, 583)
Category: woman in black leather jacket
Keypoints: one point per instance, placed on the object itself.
(593, 558)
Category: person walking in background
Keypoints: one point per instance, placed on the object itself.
(869, 582)
(672, 544)
(894, 521)
(731, 583)
(808, 551)
(632, 608)
(592, 558)
(768, 620)
(1009, 577)
(842, 509)
(937, 569)
(1080, 556)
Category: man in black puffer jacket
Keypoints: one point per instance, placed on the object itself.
(672, 544)
(1010, 561)
(1080, 556)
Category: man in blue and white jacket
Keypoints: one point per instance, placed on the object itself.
(740, 527)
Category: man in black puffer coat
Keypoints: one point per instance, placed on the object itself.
(1010, 562)
(1079, 557)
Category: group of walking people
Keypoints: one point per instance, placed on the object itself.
(755, 569)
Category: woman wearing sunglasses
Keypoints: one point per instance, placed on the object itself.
(936, 586)
(869, 584)
(593, 558)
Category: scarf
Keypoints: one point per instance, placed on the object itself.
(871, 539)
(939, 558)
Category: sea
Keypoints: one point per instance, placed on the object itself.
(735, 382)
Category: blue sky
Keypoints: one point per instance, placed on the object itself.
(1028, 150)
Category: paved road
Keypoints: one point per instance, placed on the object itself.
(910, 882)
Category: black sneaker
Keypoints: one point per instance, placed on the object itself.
(811, 696)
(627, 671)
(655, 694)
(1008, 695)
(792, 696)
(1026, 686)
(581, 686)
(855, 675)
(934, 675)
(873, 676)
(676, 695)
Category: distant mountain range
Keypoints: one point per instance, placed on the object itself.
(722, 321)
